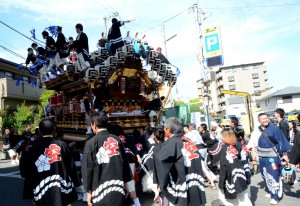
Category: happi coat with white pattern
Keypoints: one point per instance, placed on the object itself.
(234, 173)
(179, 172)
(50, 173)
(105, 169)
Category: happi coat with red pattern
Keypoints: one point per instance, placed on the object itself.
(105, 169)
(179, 172)
(50, 173)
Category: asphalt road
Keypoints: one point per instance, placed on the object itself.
(11, 188)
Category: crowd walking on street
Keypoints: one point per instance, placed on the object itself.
(173, 162)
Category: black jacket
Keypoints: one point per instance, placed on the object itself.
(283, 125)
(234, 172)
(50, 43)
(81, 43)
(179, 172)
(30, 58)
(294, 153)
(105, 169)
(114, 34)
(50, 173)
(40, 52)
(60, 42)
(155, 104)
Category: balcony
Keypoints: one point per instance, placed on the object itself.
(219, 78)
(264, 69)
(220, 86)
(24, 91)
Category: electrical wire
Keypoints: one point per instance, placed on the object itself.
(36, 40)
(12, 52)
(153, 27)
(10, 46)
(255, 6)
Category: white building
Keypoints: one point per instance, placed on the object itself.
(287, 99)
(250, 78)
(236, 106)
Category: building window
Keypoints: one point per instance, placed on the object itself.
(256, 84)
(232, 87)
(257, 104)
(2, 74)
(26, 80)
(9, 75)
(231, 79)
(234, 70)
(228, 70)
(244, 68)
(287, 99)
(256, 67)
(255, 76)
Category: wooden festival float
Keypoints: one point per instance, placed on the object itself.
(120, 85)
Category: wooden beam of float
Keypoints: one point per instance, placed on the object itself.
(128, 72)
(164, 104)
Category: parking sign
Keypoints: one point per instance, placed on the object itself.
(212, 46)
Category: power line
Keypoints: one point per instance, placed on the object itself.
(10, 46)
(167, 20)
(255, 6)
(12, 52)
(36, 41)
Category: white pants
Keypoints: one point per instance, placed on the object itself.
(12, 153)
(147, 183)
(52, 62)
(60, 61)
(152, 114)
(81, 63)
(242, 199)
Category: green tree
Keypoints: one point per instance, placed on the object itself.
(43, 101)
(7, 119)
(45, 97)
(23, 115)
(178, 103)
(195, 105)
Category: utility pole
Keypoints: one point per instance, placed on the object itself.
(165, 45)
(109, 17)
(199, 13)
(165, 41)
(105, 26)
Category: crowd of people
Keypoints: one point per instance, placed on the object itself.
(48, 61)
(173, 162)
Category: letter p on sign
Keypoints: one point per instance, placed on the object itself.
(212, 43)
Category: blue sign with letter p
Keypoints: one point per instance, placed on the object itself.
(212, 43)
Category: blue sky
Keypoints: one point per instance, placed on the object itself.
(252, 31)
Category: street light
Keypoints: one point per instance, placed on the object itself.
(165, 40)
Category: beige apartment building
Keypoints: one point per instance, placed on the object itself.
(250, 78)
(13, 95)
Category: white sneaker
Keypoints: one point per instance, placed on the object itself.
(273, 202)
(268, 195)
(136, 202)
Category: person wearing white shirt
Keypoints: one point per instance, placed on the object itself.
(194, 135)
(216, 131)
(196, 138)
